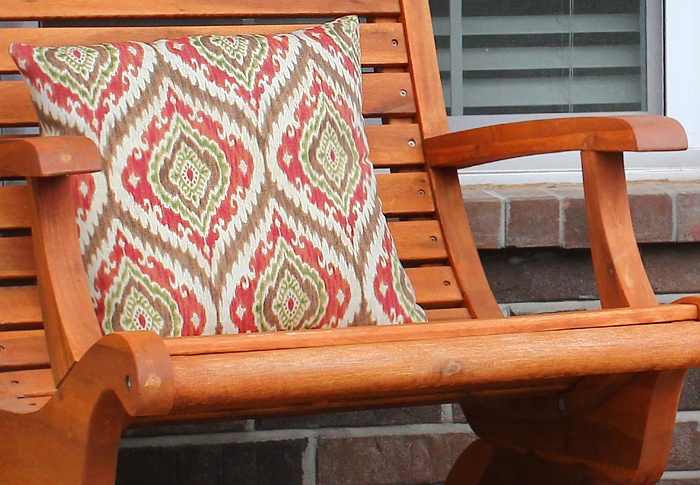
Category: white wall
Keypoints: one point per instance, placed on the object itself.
(683, 65)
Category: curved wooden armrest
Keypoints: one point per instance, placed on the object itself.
(45, 156)
(605, 134)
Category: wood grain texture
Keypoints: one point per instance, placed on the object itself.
(492, 143)
(406, 194)
(23, 350)
(368, 370)
(620, 274)
(69, 319)
(446, 188)
(384, 94)
(48, 156)
(14, 201)
(632, 442)
(16, 258)
(77, 431)
(20, 309)
(511, 374)
(104, 9)
(381, 43)
(395, 145)
(419, 241)
(397, 333)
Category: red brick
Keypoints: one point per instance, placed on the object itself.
(574, 218)
(688, 217)
(685, 452)
(389, 460)
(532, 218)
(486, 217)
(652, 213)
(540, 274)
(673, 268)
(269, 462)
(690, 398)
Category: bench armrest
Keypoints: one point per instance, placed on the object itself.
(45, 156)
(620, 274)
(605, 134)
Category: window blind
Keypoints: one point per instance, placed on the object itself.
(541, 56)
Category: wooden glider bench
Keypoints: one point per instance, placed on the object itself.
(586, 397)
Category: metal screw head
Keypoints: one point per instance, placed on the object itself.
(128, 383)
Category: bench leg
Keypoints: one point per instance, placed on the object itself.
(61, 444)
(616, 428)
(74, 438)
(485, 464)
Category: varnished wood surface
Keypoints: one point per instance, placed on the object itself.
(78, 431)
(635, 133)
(23, 350)
(69, 318)
(481, 327)
(385, 93)
(620, 274)
(381, 43)
(47, 156)
(406, 194)
(104, 9)
(16, 258)
(510, 373)
(403, 368)
(20, 309)
(15, 208)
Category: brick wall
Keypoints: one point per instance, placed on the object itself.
(534, 246)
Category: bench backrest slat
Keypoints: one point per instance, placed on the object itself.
(402, 102)
(20, 309)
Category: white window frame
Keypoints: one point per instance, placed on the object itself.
(681, 78)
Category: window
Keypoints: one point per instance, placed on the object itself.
(546, 56)
(509, 60)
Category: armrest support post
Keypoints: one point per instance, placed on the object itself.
(620, 275)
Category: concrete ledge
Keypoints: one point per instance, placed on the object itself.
(555, 216)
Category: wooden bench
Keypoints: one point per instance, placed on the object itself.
(586, 397)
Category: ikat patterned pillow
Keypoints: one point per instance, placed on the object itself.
(237, 194)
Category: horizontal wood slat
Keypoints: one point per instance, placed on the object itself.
(382, 44)
(16, 258)
(419, 240)
(23, 350)
(405, 194)
(388, 94)
(19, 308)
(444, 314)
(11, 10)
(16, 105)
(395, 145)
(27, 383)
(436, 286)
(529, 324)
(245, 379)
(14, 201)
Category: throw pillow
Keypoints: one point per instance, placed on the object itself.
(236, 194)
